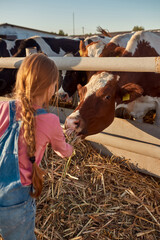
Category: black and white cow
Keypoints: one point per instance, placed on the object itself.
(50, 46)
(8, 47)
(7, 76)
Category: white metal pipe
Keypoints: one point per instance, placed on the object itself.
(10, 62)
(126, 64)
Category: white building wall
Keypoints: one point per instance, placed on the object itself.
(21, 33)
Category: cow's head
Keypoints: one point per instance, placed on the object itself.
(93, 49)
(72, 79)
(98, 98)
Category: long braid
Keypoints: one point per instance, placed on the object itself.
(28, 123)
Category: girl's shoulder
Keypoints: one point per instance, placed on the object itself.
(3, 102)
(4, 106)
(48, 118)
(48, 124)
(47, 115)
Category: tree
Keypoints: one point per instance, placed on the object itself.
(61, 32)
(138, 28)
(54, 33)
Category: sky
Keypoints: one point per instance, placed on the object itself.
(81, 17)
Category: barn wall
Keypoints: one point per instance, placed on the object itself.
(12, 32)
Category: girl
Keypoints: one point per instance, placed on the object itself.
(25, 129)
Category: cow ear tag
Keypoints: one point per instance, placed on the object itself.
(80, 52)
(126, 97)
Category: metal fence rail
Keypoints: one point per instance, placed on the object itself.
(124, 64)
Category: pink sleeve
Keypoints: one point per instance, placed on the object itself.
(4, 116)
(58, 141)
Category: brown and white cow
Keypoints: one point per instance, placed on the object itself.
(92, 47)
(138, 92)
(102, 49)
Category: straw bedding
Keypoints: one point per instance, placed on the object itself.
(90, 196)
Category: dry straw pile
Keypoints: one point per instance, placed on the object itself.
(90, 196)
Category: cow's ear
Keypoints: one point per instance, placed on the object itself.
(79, 86)
(82, 48)
(129, 92)
(81, 91)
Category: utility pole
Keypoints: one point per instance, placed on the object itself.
(82, 30)
(73, 25)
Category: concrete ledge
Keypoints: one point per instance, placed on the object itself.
(139, 143)
(142, 163)
(131, 136)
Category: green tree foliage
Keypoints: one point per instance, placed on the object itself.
(138, 28)
(53, 33)
(61, 32)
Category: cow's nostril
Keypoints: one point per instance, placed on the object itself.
(77, 123)
(63, 96)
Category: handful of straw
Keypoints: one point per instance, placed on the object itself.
(71, 137)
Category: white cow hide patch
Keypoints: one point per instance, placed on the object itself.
(45, 48)
(151, 38)
(141, 106)
(96, 49)
(96, 82)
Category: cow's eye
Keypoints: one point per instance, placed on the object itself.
(107, 97)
